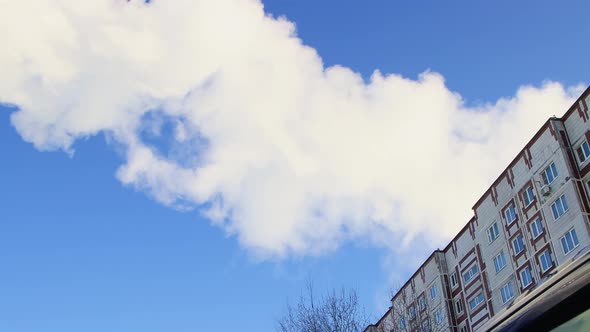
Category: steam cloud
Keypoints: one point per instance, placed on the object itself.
(222, 108)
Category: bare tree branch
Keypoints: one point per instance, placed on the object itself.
(336, 311)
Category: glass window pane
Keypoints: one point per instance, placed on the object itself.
(545, 179)
(554, 169)
(580, 154)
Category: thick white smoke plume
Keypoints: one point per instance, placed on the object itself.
(220, 107)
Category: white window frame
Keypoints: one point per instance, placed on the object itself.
(533, 227)
(433, 289)
(519, 236)
(412, 311)
(497, 261)
(438, 316)
(493, 232)
(507, 292)
(528, 196)
(551, 169)
(585, 152)
(478, 300)
(513, 216)
(472, 272)
(454, 280)
(522, 278)
(426, 326)
(561, 202)
(547, 254)
(574, 236)
(458, 307)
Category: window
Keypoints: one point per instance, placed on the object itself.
(412, 312)
(500, 261)
(550, 174)
(476, 301)
(545, 259)
(569, 241)
(458, 307)
(426, 326)
(517, 245)
(493, 232)
(559, 207)
(470, 273)
(525, 277)
(454, 280)
(433, 291)
(438, 317)
(402, 323)
(422, 303)
(507, 292)
(528, 196)
(536, 228)
(583, 151)
(463, 329)
(510, 214)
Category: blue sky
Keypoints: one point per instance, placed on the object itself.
(484, 52)
(90, 243)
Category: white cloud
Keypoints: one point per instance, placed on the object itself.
(285, 154)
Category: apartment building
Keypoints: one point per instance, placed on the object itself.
(532, 218)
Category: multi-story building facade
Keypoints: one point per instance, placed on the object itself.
(534, 217)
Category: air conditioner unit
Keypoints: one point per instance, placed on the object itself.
(545, 191)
